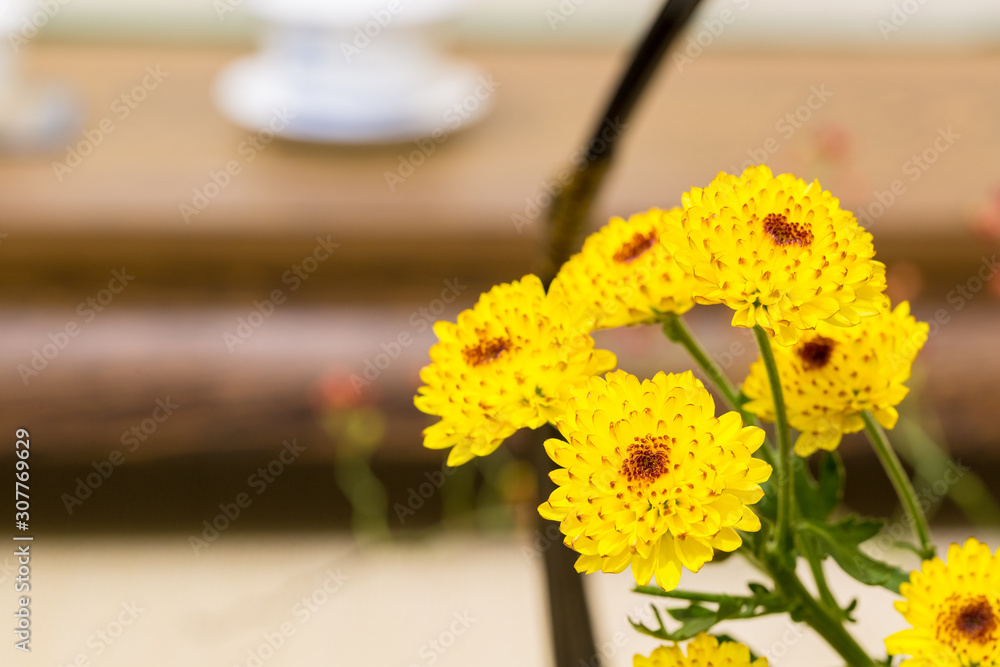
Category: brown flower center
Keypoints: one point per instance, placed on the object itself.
(815, 353)
(784, 233)
(648, 459)
(969, 620)
(486, 351)
(634, 249)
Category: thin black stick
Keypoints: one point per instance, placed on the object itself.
(571, 207)
(572, 632)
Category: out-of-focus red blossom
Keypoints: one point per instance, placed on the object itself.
(834, 142)
(986, 222)
(336, 391)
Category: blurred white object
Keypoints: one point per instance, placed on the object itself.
(352, 72)
(10, 13)
(33, 117)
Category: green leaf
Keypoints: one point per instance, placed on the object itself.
(688, 613)
(697, 617)
(818, 499)
(841, 541)
(831, 482)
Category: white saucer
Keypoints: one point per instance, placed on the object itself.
(339, 105)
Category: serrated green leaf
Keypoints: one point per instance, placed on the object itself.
(697, 618)
(695, 627)
(841, 541)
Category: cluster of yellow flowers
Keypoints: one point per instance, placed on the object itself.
(648, 475)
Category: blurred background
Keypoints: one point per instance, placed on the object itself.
(227, 226)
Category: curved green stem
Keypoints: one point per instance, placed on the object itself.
(785, 463)
(929, 459)
(816, 566)
(821, 619)
(904, 489)
(676, 330)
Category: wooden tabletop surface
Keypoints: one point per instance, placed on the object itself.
(451, 220)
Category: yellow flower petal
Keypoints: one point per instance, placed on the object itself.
(834, 374)
(651, 477)
(778, 251)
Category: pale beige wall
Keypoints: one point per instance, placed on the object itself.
(767, 24)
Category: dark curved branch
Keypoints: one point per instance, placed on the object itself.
(571, 207)
(572, 633)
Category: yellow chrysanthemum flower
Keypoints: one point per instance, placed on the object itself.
(833, 374)
(624, 274)
(779, 252)
(954, 610)
(702, 651)
(509, 362)
(651, 478)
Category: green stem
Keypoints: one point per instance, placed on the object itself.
(366, 494)
(676, 330)
(816, 566)
(821, 619)
(900, 482)
(693, 596)
(929, 459)
(785, 468)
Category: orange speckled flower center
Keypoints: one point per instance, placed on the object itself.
(635, 248)
(785, 233)
(486, 351)
(648, 459)
(815, 353)
(971, 620)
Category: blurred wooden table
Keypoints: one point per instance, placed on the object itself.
(452, 219)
